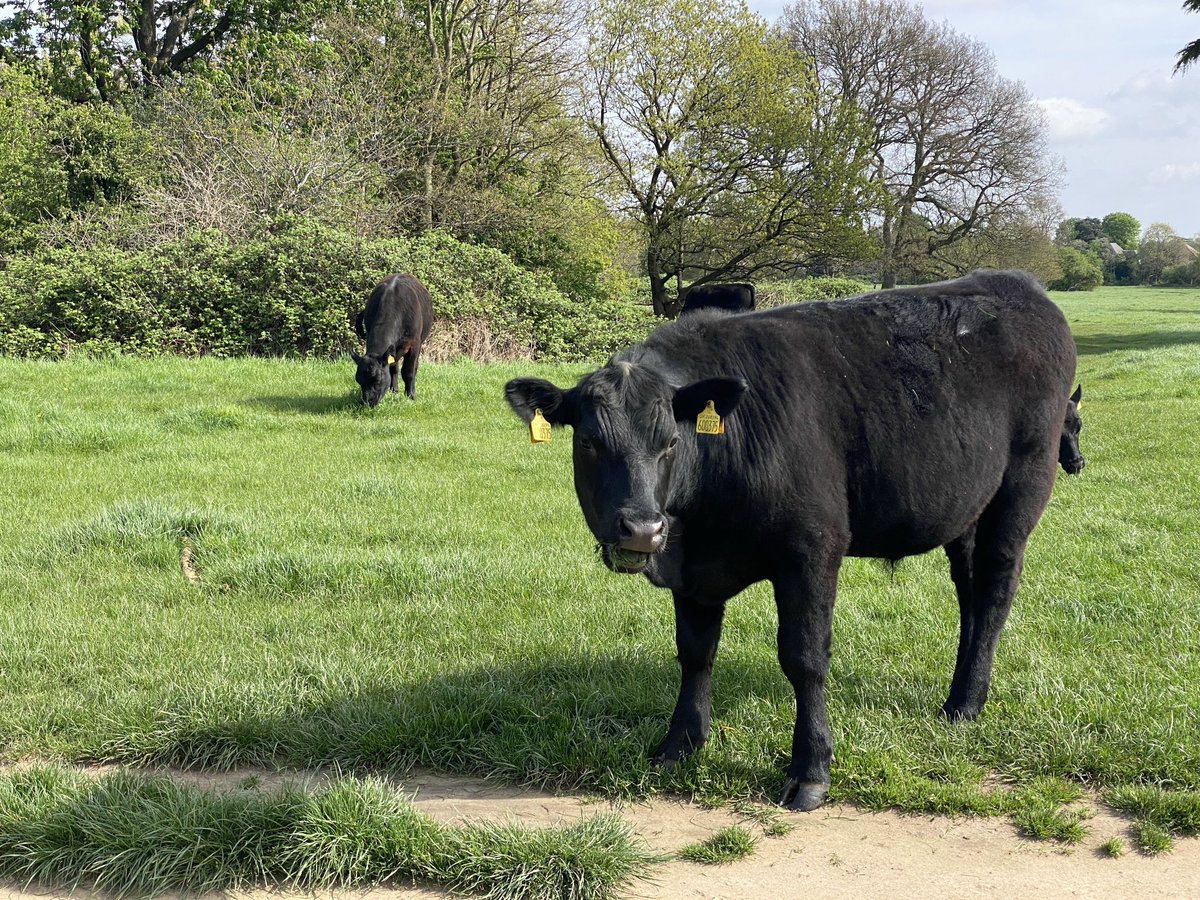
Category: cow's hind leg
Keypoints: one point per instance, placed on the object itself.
(412, 359)
(1000, 538)
(697, 633)
(961, 552)
(805, 598)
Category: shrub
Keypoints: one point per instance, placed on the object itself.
(797, 290)
(293, 290)
(1080, 271)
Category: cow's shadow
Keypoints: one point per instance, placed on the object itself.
(585, 722)
(313, 405)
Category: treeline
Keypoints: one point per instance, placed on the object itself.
(191, 160)
(1114, 250)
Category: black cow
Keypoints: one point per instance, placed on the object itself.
(1069, 456)
(395, 324)
(737, 297)
(884, 425)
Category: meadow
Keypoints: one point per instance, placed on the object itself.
(414, 586)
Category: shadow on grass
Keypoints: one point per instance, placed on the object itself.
(1094, 344)
(587, 722)
(312, 405)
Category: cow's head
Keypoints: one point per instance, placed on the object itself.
(626, 422)
(372, 376)
(1069, 456)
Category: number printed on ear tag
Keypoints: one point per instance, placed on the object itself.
(709, 421)
(540, 431)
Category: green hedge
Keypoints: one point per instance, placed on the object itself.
(292, 292)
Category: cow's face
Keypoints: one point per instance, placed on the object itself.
(627, 433)
(373, 377)
(1069, 456)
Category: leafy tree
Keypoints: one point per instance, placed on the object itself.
(1088, 230)
(730, 159)
(954, 145)
(1189, 54)
(1160, 249)
(1123, 229)
(58, 157)
(96, 47)
(1080, 271)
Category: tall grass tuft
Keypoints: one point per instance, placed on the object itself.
(131, 835)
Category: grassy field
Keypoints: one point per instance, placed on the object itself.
(414, 585)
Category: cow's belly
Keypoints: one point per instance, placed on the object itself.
(905, 513)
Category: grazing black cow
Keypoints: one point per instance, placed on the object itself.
(395, 324)
(884, 425)
(1069, 456)
(730, 297)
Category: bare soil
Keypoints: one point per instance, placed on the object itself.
(835, 852)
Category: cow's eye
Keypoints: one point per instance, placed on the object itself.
(586, 444)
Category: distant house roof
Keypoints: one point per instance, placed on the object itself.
(1115, 247)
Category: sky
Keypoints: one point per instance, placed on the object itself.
(1126, 130)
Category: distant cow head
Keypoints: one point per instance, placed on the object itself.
(626, 421)
(372, 376)
(1069, 456)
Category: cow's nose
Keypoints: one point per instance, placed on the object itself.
(641, 535)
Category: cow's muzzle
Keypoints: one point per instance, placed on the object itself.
(638, 539)
(1074, 466)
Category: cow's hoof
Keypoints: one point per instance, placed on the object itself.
(803, 796)
(966, 712)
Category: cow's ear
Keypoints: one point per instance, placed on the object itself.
(357, 359)
(527, 395)
(725, 394)
(1078, 395)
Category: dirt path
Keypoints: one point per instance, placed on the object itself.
(836, 852)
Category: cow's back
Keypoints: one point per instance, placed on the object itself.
(893, 415)
(399, 314)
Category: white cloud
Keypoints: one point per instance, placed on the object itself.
(1069, 119)
(1174, 172)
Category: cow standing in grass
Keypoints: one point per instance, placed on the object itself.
(884, 426)
(1069, 455)
(395, 324)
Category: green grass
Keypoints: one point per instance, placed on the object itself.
(1152, 839)
(726, 846)
(1113, 848)
(415, 585)
(1043, 823)
(127, 835)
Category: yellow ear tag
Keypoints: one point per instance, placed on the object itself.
(709, 422)
(540, 431)
(391, 360)
(1079, 406)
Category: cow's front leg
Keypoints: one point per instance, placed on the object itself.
(805, 597)
(394, 371)
(697, 632)
(408, 372)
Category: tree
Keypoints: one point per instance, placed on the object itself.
(1160, 249)
(730, 159)
(1088, 230)
(1080, 271)
(1123, 229)
(96, 47)
(1191, 53)
(954, 145)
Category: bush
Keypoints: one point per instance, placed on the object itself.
(1080, 271)
(293, 291)
(797, 290)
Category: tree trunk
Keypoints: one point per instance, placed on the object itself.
(887, 261)
(427, 196)
(658, 283)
